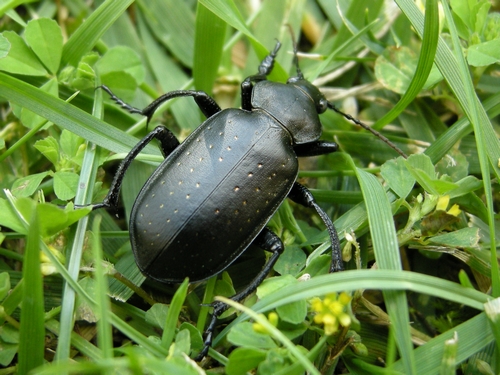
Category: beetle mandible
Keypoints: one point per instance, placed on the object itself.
(212, 196)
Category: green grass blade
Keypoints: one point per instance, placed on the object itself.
(104, 331)
(87, 35)
(424, 65)
(429, 356)
(117, 322)
(481, 132)
(67, 116)
(83, 196)
(32, 330)
(228, 11)
(173, 24)
(173, 314)
(367, 279)
(450, 68)
(460, 129)
(492, 309)
(208, 44)
(77, 341)
(385, 246)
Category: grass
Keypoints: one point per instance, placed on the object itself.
(418, 234)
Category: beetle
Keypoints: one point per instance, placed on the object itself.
(213, 195)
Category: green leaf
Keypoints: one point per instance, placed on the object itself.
(182, 342)
(385, 246)
(57, 219)
(90, 31)
(122, 84)
(32, 330)
(44, 37)
(425, 71)
(271, 284)
(228, 11)
(173, 23)
(26, 186)
(65, 185)
(33, 120)
(195, 335)
(429, 356)
(4, 285)
(395, 69)
(208, 43)
(397, 177)
(70, 144)
(122, 59)
(21, 59)
(7, 353)
(242, 360)
(484, 54)
(465, 237)
(293, 313)
(4, 46)
(244, 335)
(157, 314)
(9, 334)
(67, 116)
(9, 218)
(49, 148)
(291, 261)
(173, 314)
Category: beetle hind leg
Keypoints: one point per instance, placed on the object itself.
(266, 240)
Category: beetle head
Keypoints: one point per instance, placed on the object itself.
(311, 91)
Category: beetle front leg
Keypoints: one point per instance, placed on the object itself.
(265, 68)
(300, 194)
(168, 143)
(266, 240)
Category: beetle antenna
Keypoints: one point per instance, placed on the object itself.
(295, 58)
(370, 129)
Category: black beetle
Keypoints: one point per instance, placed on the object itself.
(213, 194)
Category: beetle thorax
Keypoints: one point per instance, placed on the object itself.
(291, 107)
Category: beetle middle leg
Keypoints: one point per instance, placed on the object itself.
(315, 148)
(300, 194)
(168, 143)
(266, 240)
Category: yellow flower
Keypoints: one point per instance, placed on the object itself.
(272, 318)
(454, 210)
(442, 203)
(330, 311)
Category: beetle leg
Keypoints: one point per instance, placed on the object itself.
(168, 143)
(300, 194)
(266, 240)
(315, 148)
(265, 68)
(206, 103)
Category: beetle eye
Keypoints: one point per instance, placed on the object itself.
(322, 106)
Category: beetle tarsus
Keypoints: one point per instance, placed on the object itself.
(301, 195)
(266, 240)
(265, 68)
(120, 102)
